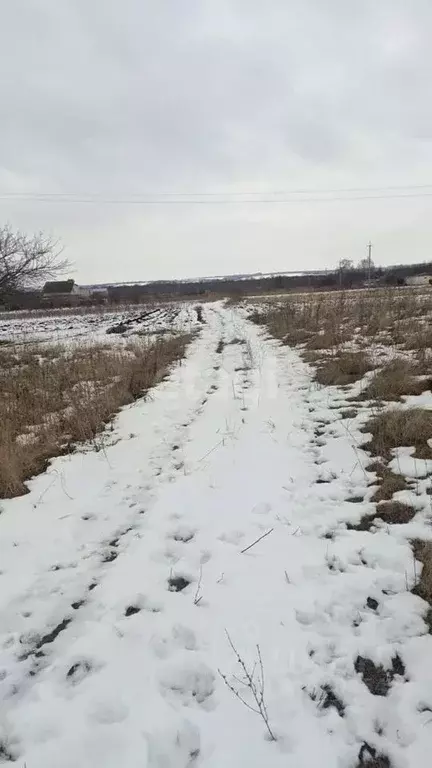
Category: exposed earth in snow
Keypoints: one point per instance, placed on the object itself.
(101, 325)
(128, 579)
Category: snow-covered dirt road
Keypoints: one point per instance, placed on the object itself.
(127, 577)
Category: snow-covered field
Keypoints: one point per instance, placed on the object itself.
(98, 326)
(129, 583)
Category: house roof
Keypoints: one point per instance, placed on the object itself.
(59, 286)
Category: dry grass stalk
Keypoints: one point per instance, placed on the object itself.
(423, 552)
(397, 378)
(390, 483)
(53, 398)
(390, 512)
(328, 320)
(254, 682)
(345, 368)
(398, 428)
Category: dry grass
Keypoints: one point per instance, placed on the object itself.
(390, 512)
(399, 377)
(53, 398)
(423, 552)
(344, 368)
(390, 483)
(327, 320)
(396, 428)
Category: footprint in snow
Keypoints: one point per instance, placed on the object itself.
(263, 508)
(183, 533)
(180, 638)
(108, 712)
(78, 671)
(177, 747)
(232, 537)
(188, 683)
(142, 603)
(178, 582)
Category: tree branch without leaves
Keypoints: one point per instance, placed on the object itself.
(254, 681)
(27, 261)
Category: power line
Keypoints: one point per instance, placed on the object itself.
(221, 194)
(200, 201)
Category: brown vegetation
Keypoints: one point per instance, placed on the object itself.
(399, 377)
(390, 512)
(423, 552)
(390, 483)
(52, 398)
(395, 428)
(344, 368)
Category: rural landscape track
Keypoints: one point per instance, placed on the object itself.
(210, 525)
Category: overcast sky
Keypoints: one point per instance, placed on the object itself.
(126, 99)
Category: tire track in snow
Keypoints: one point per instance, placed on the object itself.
(143, 657)
(30, 647)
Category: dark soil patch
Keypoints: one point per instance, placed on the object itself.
(349, 413)
(184, 536)
(110, 556)
(377, 679)
(120, 328)
(77, 604)
(372, 603)
(79, 670)
(6, 755)
(177, 583)
(51, 636)
(371, 758)
(331, 700)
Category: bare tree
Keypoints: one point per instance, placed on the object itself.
(364, 265)
(26, 261)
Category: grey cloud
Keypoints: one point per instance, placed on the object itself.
(116, 98)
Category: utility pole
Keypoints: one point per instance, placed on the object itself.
(369, 262)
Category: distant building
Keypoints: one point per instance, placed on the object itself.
(418, 280)
(64, 293)
(99, 295)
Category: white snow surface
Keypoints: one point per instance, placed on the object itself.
(236, 442)
(59, 326)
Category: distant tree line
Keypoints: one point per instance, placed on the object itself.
(26, 261)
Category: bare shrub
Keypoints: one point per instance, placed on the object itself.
(252, 681)
(397, 428)
(53, 398)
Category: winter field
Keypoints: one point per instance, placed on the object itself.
(236, 569)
